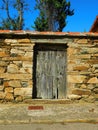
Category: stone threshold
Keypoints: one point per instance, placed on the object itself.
(30, 121)
(48, 101)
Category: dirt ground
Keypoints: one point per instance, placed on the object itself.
(68, 126)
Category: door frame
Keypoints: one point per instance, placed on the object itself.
(45, 46)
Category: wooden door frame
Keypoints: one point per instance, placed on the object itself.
(45, 46)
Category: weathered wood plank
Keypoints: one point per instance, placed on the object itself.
(51, 75)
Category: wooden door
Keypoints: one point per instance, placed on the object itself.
(51, 72)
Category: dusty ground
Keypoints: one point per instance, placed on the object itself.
(48, 113)
(68, 126)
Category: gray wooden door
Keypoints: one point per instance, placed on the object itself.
(51, 72)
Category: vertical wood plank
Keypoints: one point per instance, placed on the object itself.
(51, 77)
(61, 75)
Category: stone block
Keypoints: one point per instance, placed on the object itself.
(9, 97)
(15, 83)
(82, 41)
(9, 90)
(71, 51)
(3, 63)
(81, 92)
(17, 51)
(12, 68)
(92, 61)
(17, 58)
(3, 54)
(74, 97)
(2, 69)
(95, 90)
(18, 63)
(93, 80)
(16, 76)
(25, 92)
(90, 99)
(26, 70)
(96, 95)
(93, 50)
(25, 40)
(83, 86)
(83, 56)
(2, 95)
(24, 84)
(6, 84)
(8, 41)
(29, 54)
(27, 64)
(81, 67)
(19, 99)
(1, 87)
(76, 78)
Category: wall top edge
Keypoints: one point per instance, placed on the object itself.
(35, 33)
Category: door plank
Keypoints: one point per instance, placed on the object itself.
(51, 76)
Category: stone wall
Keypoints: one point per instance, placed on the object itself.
(16, 69)
(16, 64)
(83, 69)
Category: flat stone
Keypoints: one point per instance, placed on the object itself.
(16, 76)
(2, 69)
(3, 63)
(17, 51)
(83, 86)
(12, 68)
(6, 84)
(82, 41)
(2, 95)
(71, 51)
(29, 54)
(9, 90)
(3, 54)
(19, 99)
(24, 40)
(81, 68)
(1, 87)
(23, 92)
(24, 84)
(74, 97)
(9, 97)
(17, 58)
(83, 56)
(26, 70)
(96, 95)
(10, 40)
(93, 80)
(81, 92)
(76, 78)
(27, 64)
(95, 90)
(15, 83)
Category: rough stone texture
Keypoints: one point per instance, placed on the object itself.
(26, 92)
(9, 90)
(93, 80)
(9, 97)
(15, 83)
(19, 99)
(2, 95)
(16, 62)
(81, 92)
(1, 88)
(12, 68)
(16, 65)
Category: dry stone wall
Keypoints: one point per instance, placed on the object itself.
(16, 66)
(16, 69)
(83, 69)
